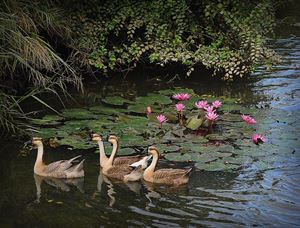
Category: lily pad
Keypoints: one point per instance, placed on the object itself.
(194, 123)
(217, 166)
(164, 148)
(100, 109)
(76, 142)
(48, 120)
(78, 114)
(121, 152)
(116, 100)
(178, 157)
(175, 90)
(154, 98)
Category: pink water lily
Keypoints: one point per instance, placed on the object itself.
(179, 107)
(181, 96)
(209, 109)
(257, 138)
(211, 116)
(217, 104)
(161, 118)
(148, 110)
(201, 104)
(248, 119)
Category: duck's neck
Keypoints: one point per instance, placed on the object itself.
(150, 170)
(102, 156)
(113, 154)
(39, 158)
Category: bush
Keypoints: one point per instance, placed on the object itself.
(227, 36)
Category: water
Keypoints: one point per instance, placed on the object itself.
(250, 197)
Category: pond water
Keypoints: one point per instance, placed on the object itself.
(266, 192)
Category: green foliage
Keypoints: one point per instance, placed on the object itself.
(227, 148)
(26, 57)
(226, 36)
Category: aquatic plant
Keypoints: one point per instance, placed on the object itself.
(161, 119)
(209, 109)
(248, 119)
(211, 116)
(181, 96)
(257, 139)
(201, 104)
(223, 146)
(179, 107)
(217, 104)
(148, 110)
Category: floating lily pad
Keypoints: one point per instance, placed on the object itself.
(153, 98)
(47, 133)
(100, 109)
(238, 160)
(76, 142)
(141, 108)
(170, 92)
(164, 148)
(194, 123)
(116, 100)
(217, 137)
(121, 151)
(178, 157)
(131, 140)
(48, 120)
(78, 114)
(217, 166)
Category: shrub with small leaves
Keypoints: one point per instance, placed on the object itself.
(226, 36)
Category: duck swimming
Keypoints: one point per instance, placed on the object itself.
(164, 176)
(119, 170)
(125, 160)
(58, 169)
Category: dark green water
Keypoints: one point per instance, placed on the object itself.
(253, 196)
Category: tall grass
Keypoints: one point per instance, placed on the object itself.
(26, 56)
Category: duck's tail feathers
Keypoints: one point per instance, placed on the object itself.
(188, 172)
(79, 166)
(74, 159)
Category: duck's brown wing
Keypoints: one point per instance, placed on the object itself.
(170, 173)
(126, 160)
(118, 172)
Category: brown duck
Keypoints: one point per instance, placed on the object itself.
(118, 161)
(164, 176)
(121, 170)
(58, 169)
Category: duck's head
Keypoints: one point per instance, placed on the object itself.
(144, 162)
(96, 137)
(36, 141)
(112, 139)
(152, 150)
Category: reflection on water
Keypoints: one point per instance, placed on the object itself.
(253, 196)
(62, 184)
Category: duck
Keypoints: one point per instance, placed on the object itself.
(58, 169)
(164, 176)
(135, 175)
(139, 168)
(118, 161)
(119, 171)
